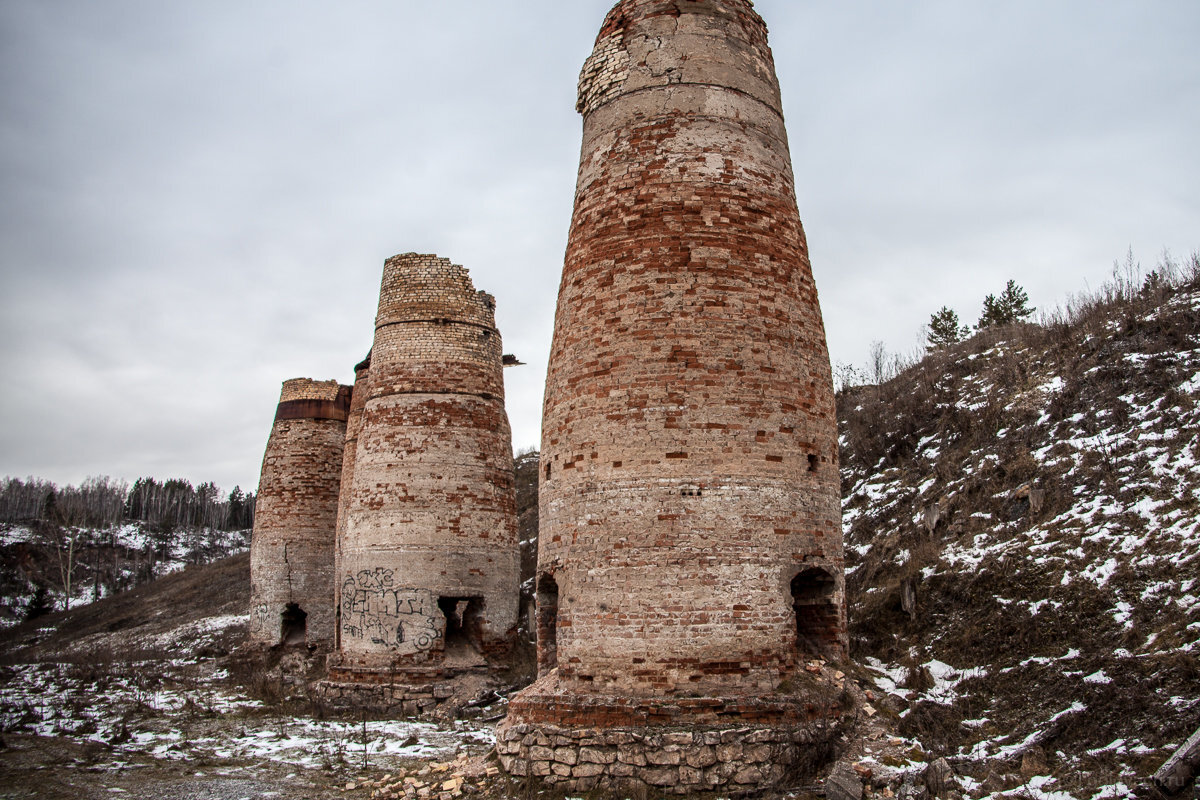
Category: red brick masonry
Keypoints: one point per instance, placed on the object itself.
(690, 544)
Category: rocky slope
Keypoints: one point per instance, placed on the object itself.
(1022, 518)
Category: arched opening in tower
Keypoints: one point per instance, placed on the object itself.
(293, 627)
(547, 623)
(813, 599)
(464, 625)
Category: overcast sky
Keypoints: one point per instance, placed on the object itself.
(196, 198)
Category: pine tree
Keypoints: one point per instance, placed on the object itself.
(945, 329)
(1015, 303)
(40, 604)
(1012, 306)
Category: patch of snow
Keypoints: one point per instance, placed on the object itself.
(1101, 573)
(946, 680)
(891, 676)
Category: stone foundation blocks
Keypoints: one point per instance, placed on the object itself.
(675, 761)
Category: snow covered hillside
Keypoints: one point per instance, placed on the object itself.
(1022, 521)
(98, 561)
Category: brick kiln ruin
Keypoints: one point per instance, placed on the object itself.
(291, 550)
(427, 557)
(387, 520)
(690, 557)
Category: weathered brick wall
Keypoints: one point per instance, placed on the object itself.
(689, 443)
(291, 551)
(431, 513)
(308, 389)
(358, 401)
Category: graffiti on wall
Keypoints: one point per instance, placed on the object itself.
(376, 611)
(260, 620)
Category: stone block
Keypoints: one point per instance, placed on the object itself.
(729, 753)
(939, 778)
(661, 777)
(586, 784)
(566, 755)
(535, 737)
(757, 754)
(539, 753)
(700, 756)
(678, 738)
(588, 770)
(725, 770)
(748, 776)
(517, 767)
(843, 783)
(667, 756)
(595, 755)
(629, 754)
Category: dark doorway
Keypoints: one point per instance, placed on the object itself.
(464, 622)
(547, 623)
(294, 625)
(817, 620)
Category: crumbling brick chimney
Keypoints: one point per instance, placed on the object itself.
(427, 574)
(690, 560)
(291, 550)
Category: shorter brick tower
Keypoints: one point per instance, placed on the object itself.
(428, 556)
(291, 551)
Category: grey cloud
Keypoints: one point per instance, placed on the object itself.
(198, 198)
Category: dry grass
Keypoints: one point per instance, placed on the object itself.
(982, 406)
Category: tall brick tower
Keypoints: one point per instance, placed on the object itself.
(690, 556)
(428, 556)
(291, 550)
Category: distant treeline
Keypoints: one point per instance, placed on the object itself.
(102, 502)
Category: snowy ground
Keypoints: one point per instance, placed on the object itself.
(150, 716)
